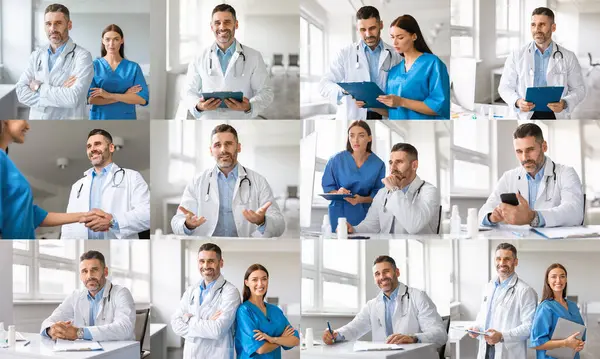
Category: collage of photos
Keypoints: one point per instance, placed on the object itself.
(299, 179)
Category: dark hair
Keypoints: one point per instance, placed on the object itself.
(367, 12)
(225, 128)
(509, 247)
(408, 148)
(384, 258)
(529, 129)
(58, 8)
(117, 29)
(547, 292)
(251, 269)
(363, 124)
(93, 255)
(211, 247)
(410, 25)
(102, 132)
(224, 7)
(544, 11)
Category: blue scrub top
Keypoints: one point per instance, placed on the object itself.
(19, 217)
(248, 318)
(544, 323)
(427, 80)
(126, 75)
(341, 171)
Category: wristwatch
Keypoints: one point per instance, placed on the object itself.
(536, 220)
(79, 333)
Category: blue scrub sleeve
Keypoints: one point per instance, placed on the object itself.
(3, 184)
(439, 90)
(543, 323)
(244, 331)
(94, 84)
(287, 322)
(328, 181)
(140, 80)
(39, 214)
(378, 183)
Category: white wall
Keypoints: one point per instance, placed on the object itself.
(272, 34)
(421, 134)
(16, 14)
(6, 283)
(589, 28)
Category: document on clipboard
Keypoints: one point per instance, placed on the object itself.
(374, 346)
(542, 96)
(79, 345)
(364, 91)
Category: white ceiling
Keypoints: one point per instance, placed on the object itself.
(48, 140)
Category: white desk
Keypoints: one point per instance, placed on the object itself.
(158, 341)
(344, 351)
(41, 348)
(506, 232)
(457, 333)
(381, 236)
(481, 112)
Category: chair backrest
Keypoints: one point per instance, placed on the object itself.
(293, 60)
(144, 234)
(292, 191)
(584, 198)
(277, 59)
(439, 220)
(141, 324)
(442, 349)
(592, 59)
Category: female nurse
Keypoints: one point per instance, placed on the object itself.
(357, 171)
(19, 217)
(118, 83)
(554, 305)
(261, 329)
(418, 88)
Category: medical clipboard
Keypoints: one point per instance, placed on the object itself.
(542, 96)
(222, 95)
(564, 329)
(364, 91)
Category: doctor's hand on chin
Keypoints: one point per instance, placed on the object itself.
(516, 215)
(257, 217)
(97, 220)
(63, 330)
(191, 221)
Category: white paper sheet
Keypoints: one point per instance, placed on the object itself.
(76, 345)
(375, 346)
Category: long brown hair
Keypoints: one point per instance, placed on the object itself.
(250, 270)
(117, 29)
(547, 292)
(410, 25)
(365, 126)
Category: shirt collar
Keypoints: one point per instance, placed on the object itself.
(105, 170)
(547, 52)
(393, 296)
(203, 285)
(229, 50)
(540, 174)
(505, 283)
(98, 295)
(233, 174)
(58, 51)
(366, 47)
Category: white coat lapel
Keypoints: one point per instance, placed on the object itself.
(547, 173)
(380, 315)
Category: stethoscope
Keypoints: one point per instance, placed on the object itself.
(114, 180)
(405, 307)
(548, 193)
(413, 199)
(220, 290)
(72, 53)
(240, 53)
(245, 178)
(559, 64)
(510, 289)
(103, 312)
(389, 58)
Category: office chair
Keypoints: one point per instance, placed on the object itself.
(141, 324)
(592, 64)
(583, 221)
(439, 220)
(277, 61)
(293, 62)
(292, 193)
(144, 234)
(442, 349)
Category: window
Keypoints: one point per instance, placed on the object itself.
(471, 160)
(330, 276)
(384, 138)
(462, 27)
(183, 38)
(312, 61)
(508, 30)
(129, 266)
(182, 151)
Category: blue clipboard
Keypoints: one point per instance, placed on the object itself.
(238, 96)
(542, 96)
(364, 91)
(335, 196)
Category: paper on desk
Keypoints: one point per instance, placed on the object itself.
(62, 345)
(375, 346)
(567, 232)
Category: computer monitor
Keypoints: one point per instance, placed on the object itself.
(463, 76)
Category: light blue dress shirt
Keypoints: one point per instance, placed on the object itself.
(226, 222)
(52, 57)
(205, 289)
(225, 57)
(96, 198)
(390, 306)
(488, 320)
(393, 228)
(541, 66)
(373, 59)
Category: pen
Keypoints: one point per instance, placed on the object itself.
(330, 331)
(28, 342)
(518, 234)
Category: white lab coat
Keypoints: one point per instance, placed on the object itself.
(410, 212)
(129, 203)
(512, 316)
(253, 81)
(115, 319)
(195, 200)
(343, 69)
(561, 203)
(517, 76)
(206, 338)
(415, 314)
(53, 101)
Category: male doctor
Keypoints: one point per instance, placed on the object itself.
(541, 63)
(207, 310)
(367, 60)
(227, 65)
(506, 312)
(407, 204)
(58, 76)
(118, 198)
(398, 315)
(101, 312)
(228, 200)
(549, 194)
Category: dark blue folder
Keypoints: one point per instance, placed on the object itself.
(238, 96)
(542, 96)
(364, 91)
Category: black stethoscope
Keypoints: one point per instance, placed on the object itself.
(405, 311)
(240, 53)
(104, 305)
(220, 290)
(557, 52)
(114, 180)
(413, 200)
(389, 63)
(245, 178)
(72, 53)
(510, 289)
(548, 198)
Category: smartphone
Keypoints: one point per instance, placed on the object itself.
(509, 198)
(476, 332)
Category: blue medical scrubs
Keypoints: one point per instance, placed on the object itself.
(19, 217)
(126, 75)
(249, 318)
(427, 80)
(544, 323)
(341, 171)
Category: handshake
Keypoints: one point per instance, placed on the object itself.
(97, 220)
